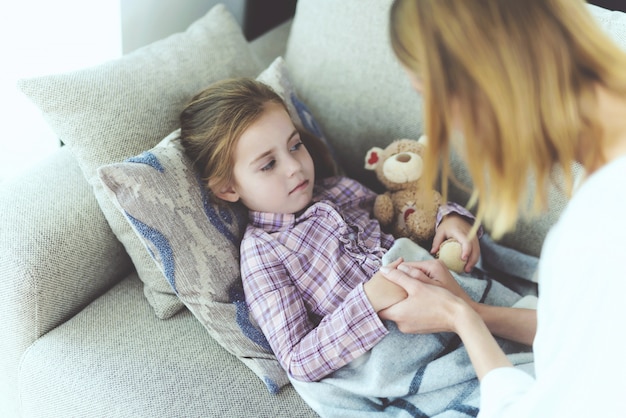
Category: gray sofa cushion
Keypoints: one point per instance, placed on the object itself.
(350, 79)
(139, 366)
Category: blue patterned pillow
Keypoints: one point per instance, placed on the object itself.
(194, 242)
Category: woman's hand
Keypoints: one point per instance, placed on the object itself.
(512, 323)
(427, 308)
(430, 308)
(456, 226)
(434, 272)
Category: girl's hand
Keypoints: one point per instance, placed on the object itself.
(455, 226)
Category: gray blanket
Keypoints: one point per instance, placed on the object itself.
(409, 375)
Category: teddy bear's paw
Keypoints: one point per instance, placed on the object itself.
(383, 209)
(407, 210)
(414, 224)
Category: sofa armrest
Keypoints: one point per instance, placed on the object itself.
(57, 253)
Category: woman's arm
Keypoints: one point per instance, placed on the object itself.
(515, 324)
(483, 350)
(429, 308)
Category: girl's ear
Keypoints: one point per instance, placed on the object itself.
(227, 193)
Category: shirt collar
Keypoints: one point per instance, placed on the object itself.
(276, 222)
(272, 222)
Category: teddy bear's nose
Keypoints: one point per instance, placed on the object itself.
(403, 158)
(404, 167)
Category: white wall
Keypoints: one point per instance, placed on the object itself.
(40, 37)
(145, 21)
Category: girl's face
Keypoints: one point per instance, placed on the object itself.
(273, 171)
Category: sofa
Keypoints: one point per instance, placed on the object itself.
(84, 333)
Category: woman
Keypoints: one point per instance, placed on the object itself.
(534, 86)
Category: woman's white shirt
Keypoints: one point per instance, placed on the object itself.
(580, 346)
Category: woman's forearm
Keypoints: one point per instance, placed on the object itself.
(483, 350)
(515, 324)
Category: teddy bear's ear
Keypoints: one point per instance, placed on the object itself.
(423, 140)
(372, 158)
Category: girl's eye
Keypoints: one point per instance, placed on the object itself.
(296, 147)
(268, 166)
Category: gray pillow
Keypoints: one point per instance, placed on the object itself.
(118, 109)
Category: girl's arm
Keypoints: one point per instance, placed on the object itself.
(383, 293)
(307, 346)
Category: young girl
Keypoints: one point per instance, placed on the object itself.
(310, 258)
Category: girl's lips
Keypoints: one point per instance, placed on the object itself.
(300, 186)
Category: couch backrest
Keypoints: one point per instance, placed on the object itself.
(342, 65)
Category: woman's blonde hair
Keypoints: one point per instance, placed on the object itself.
(214, 120)
(520, 78)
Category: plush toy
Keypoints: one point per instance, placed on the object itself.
(409, 208)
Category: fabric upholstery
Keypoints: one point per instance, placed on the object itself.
(139, 366)
(56, 253)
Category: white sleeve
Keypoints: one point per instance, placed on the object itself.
(501, 388)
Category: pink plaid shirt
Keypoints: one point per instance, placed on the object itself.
(303, 278)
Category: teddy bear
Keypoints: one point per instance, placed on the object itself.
(409, 208)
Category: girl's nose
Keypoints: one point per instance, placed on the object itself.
(293, 165)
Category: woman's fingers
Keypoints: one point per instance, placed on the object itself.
(395, 263)
(402, 278)
(429, 268)
(418, 271)
(412, 272)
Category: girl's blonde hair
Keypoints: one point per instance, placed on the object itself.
(520, 78)
(214, 120)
